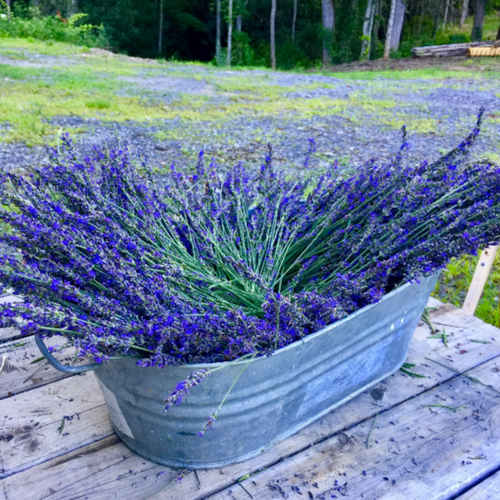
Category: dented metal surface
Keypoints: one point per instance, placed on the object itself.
(274, 398)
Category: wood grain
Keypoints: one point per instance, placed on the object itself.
(21, 372)
(393, 391)
(480, 277)
(489, 489)
(7, 334)
(416, 451)
(31, 428)
(106, 469)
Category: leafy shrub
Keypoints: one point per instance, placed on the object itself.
(211, 266)
(53, 29)
(242, 52)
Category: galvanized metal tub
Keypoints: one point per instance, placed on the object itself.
(274, 398)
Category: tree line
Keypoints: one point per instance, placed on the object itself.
(276, 33)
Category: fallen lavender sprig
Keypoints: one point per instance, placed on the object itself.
(184, 386)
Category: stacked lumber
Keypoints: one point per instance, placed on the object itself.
(484, 51)
(456, 49)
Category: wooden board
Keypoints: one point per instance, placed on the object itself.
(480, 278)
(394, 391)
(20, 371)
(450, 50)
(484, 51)
(31, 428)
(9, 333)
(415, 450)
(106, 469)
(489, 489)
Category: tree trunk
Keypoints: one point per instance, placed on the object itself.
(376, 25)
(420, 20)
(367, 29)
(72, 8)
(464, 12)
(477, 30)
(218, 34)
(295, 6)
(397, 26)
(160, 30)
(328, 26)
(273, 40)
(498, 33)
(8, 8)
(229, 32)
(388, 36)
(239, 17)
(445, 20)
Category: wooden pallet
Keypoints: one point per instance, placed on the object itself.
(398, 440)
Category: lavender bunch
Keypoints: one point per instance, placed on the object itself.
(209, 266)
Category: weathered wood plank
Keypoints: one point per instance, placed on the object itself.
(480, 278)
(31, 429)
(106, 469)
(489, 489)
(20, 374)
(455, 49)
(7, 334)
(392, 391)
(415, 450)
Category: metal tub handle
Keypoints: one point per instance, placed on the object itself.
(59, 366)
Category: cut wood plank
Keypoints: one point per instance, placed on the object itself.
(480, 278)
(5, 299)
(451, 50)
(31, 423)
(484, 51)
(20, 373)
(390, 392)
(106, 469)
(415, 451)
(489, 489)
(7, 334)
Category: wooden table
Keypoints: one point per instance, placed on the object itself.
(436, 437)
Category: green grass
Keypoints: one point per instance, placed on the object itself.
(454, 283)
(90, 87)
(434, 73)
(33, 46)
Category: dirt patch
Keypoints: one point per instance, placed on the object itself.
(459, 63)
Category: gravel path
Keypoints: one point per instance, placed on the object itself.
(438, 113)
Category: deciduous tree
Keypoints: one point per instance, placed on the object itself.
(328, 27)
(464, 12)
(367, 28)
(388, 36)
(477, 29)
(229, 31)
(294, 19)
(273, 33)
(397, 26)
(218, 33)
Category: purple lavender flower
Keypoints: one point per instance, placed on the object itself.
(184, 386)
(209, 266)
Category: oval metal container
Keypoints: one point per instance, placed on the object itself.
(275, 397)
